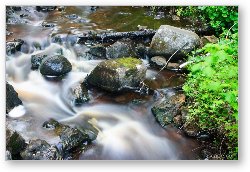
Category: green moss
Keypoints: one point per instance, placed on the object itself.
(128, 62)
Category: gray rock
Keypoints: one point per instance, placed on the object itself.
(168, 39)
(78, 94)
(116, 74)
(121, 48)
(165, 110)
(36, 60)
(15, 143)
(55, 66)
(40, 150)
(12, 99)
(98, 51)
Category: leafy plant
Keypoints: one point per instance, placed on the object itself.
(212, 87)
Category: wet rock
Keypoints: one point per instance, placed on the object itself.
(15, 143)
(78, 94)
(14, 46)
(65, 38)
(178, 120)
(165, 110)
(169, 39)
(36, 60)
(45, 24)
(98, 51)
(121, 48)
(45, 8)
(158, 61)
(40, 150)
(56, 65)
(72, 16)
(191, 129)
(141, 50)
(61, 8)
(12, 99)
(208, 39)
(116, 74)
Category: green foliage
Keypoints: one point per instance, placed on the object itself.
(212, 88)
(219, 17)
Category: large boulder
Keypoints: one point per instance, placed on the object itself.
(56, 65)
(116, 74)
(169, 39)
(40, 150)
(121, 48)
(12, 99)
(165, 110)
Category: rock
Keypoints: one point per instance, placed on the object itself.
(191, 129)
(56, 65)
(121, 48)
(36, 60)
(208, 39)
(8, 155)
(178, 120)
(45, 8)
(15, 143)
(78, 94)
(40, 150)
(158, 61)
(116, 74)
(13, 46)
(45, 24)
(98, 51)
(169, 39)
(141, 51)
(165, 110)
(71, 138)
(12, 99)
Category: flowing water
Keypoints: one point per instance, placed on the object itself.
(127, 128)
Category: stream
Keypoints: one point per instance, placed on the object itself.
(126, 125)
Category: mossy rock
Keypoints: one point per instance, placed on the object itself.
(115, 74)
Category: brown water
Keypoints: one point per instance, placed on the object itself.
(127, 128)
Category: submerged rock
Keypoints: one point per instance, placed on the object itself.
(165, 110)
(121, 48)
(15, 143)
(12, 99)
(78, 94)
(116, 74)
(56, 65)
(36, 60)
(169, 39)
(40, 150)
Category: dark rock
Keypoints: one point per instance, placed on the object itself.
(45, 24)
(16, 8)
(121, 48)
(208, 39)
(40, 150)
(72, 16)
(36, 60)
(15, 143)
(169, 39)
(65, 38)
(12, 99)
(191, 129)
(165, 110)
(56, 65)
(14, 46)
(71, 138)
(45, 8)
(178, 120)
(78, 94)
(116, 74)
(98, 51)
(141, 50)
(61, 8)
